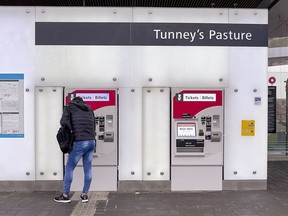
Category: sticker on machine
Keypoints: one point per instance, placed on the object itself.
(196, 97)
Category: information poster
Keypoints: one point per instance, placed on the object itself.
(272, 109)
(9, 96)
(11, 105)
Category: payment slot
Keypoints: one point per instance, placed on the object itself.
(103, 102)
(196, 139)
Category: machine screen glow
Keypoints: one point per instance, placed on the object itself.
(186, 129)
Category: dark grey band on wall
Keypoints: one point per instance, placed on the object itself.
(59, 33)
(151, 34)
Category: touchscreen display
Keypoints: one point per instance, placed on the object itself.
(186, 129)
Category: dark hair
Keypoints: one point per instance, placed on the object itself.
(77, 99)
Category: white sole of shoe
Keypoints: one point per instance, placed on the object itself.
(62, 201)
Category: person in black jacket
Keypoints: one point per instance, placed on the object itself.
(79, 117)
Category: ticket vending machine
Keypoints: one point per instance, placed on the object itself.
(197, 139)
(104, 165)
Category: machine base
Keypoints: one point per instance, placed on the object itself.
(104, 178)
(132, 186)
(196, 178)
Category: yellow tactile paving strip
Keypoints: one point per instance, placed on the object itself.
(87, 209)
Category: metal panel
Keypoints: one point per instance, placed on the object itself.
(251, 16)
(84, 14)
(196, 178)
(156, 132)
(84, 66)
(248, 79)
(17, 38)
(17, 26)
(180, 15)
(98, 183)
(130, 134)
(49, 108)
(181, 66)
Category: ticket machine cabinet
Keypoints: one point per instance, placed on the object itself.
(197, 139)
(103, 102)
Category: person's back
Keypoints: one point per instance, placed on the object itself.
(80, 119)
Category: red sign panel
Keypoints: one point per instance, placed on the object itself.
(94, 98)
(188, 103)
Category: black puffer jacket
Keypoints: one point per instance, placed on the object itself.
(82, 120)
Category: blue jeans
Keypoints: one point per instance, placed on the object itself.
(81, 149)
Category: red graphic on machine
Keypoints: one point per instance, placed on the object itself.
(94, 98)
(187, 103)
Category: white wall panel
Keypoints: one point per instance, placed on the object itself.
(181, 15)
(17, 40)
(83, 14)
(156, 134)
(98, 182)
(130, 134)
(178, 66)
(247, 71)
(49, 108)
(240, 68)
(251, 16)
(84, 66)
(181, 66)
(246, 154)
